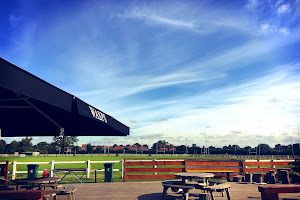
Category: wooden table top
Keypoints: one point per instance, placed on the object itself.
(37, 180)
(195, 175)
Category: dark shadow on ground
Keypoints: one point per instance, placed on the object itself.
(290, 199)
(172, 196)
(150, 196)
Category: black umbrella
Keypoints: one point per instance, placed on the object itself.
(29, 106)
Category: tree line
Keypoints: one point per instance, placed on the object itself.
(25, 145)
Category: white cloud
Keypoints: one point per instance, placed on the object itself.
(268, 29)
(252, 4)
(247, 108)
(202, 19)
(284, 31)
(162, 20)
(284, 8)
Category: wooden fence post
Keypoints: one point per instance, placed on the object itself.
(155, 166)
(124, 170)
(6, 172)
(244, 167)
(122, 167)
(88, 169)
(52, 168)
(13, 177)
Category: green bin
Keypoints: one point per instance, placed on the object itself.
(108, 172)
(32, 170)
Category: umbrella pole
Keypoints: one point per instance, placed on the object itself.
(62, 133)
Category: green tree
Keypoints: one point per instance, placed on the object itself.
(42, 147)
(2, 146)
(98, 150)
(137, 144)
(52, 148)
(160, 142)
(26, 144)
(67, 141)
(13, 147)
(89, 148)
(265, 149)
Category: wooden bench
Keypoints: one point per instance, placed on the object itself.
(223, 187)
(50, 193)
(217, 173)
(69, 191)
(238, 178)
(22, 194)
(270, 192)
(177, 186)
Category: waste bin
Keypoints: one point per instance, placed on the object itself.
(108, 172)
(32, 171)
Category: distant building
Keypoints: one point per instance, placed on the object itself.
(166, 148)
(83, 147)
(116, 147)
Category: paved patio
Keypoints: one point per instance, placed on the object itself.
(153, 191)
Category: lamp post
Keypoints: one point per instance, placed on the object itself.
(258, 148)
(292, 146)
(186, 148)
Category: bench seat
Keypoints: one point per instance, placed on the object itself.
(223, 187)
(69, 191)
(22, 194)
(270, 192)
(177, 186)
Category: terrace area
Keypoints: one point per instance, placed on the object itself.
(152, 190)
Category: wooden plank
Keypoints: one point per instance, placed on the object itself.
(151, 163)
(253, 170)
(160, 176)
(212, 160)
(137, 170)
(267, 163)
(279, 188)
(22, 194)
(197, 163)
(214, 169)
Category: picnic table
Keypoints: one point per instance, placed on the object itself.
(184, 185)
(185, 176)
(38, 182)
(71, 171)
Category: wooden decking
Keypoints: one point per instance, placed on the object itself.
(153, 190)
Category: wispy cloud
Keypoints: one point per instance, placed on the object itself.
(284, 8)
(202, 19)
(15, 20)
(153, 17)
(246, 108)
(252, 4)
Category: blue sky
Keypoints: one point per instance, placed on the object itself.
(170, 70)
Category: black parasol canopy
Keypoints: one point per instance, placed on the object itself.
(29, 106)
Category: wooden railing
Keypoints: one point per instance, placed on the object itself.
(252, 166)
(220, 168)
(151, 169)
(54, 164)
(166, 169)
